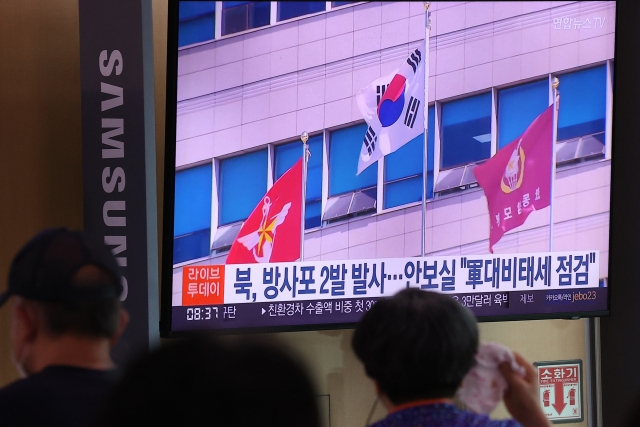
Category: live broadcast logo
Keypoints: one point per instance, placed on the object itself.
(203, 285)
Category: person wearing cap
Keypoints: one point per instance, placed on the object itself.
(65, 317)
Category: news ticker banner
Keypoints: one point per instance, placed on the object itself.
(325, 280)
(350, 310)
(318, 292)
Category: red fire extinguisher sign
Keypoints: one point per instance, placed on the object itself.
(560, 385)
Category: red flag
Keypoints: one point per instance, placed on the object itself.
(272, 231)
(516, 180)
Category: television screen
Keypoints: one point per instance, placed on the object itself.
(464, 149)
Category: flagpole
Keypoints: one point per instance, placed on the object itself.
(556, 108)
(427, 29)
(304, 137)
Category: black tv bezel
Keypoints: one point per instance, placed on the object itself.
(166, 284)
(171, 107)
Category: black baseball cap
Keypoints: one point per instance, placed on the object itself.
(45, 267)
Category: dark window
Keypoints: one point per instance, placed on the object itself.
(192, 213)
(286, 156)
(291, 9)
(243, 183)
(583, 103)
(196, 22)
(466, 131)
(403, 180)
(349, 194)
(518, 107)
(242, 15)
(343, 162)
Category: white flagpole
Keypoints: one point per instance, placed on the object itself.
(427, 29)
(556, 109)
(305, 151)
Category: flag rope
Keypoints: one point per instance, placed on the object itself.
(305, 156)
(427, 28)
(556, 111)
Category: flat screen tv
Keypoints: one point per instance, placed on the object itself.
(488, 180)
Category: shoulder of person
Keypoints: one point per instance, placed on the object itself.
(483, 420)
(14, 396)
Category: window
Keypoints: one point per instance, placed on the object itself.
(466, 131)
(343, 162)
(581, 120)
(242, 15)
(349, 193)
(286, 156)
(518, 107)
(243, 183)
(341, 3)
(582, 103)
(291, 9)
(192, 213)
(403, 170)
(196, 22)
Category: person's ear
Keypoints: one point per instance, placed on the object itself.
(24, 320)
(377, 386)
(24, 331)
(123, 321)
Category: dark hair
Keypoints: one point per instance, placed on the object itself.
(417, 345)
(96, 318)
(235, 383)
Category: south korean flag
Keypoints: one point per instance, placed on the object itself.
(393, 107)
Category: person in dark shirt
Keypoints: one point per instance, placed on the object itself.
(204, 380)
(65, 317)
(417, 346)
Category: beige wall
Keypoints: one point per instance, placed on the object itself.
(40, 135)
(541, 340)
(40, 173)
(337, 372)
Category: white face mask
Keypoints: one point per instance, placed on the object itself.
(19, 364)
(20, 350)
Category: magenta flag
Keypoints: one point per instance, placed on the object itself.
(516, 181)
